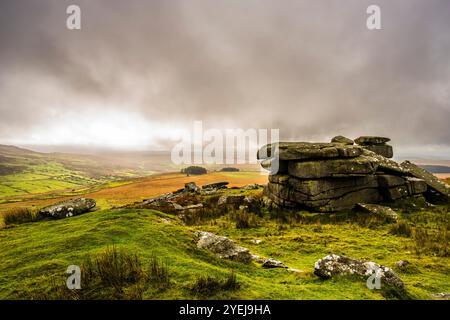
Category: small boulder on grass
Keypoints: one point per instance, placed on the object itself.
(335, 265)
(272, 263)
(223, 247)
(69, 208)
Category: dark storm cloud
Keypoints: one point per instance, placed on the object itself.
(310, 68)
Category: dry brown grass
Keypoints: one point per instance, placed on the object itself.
(148, 187)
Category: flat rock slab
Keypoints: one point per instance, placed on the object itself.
(223, 247)
(216, 185)
(332, 168)
(69, 208)
(371, 140)
(431, 180)
(384, 164)
(379, 210)
(308, 150)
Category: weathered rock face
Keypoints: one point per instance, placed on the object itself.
(285, 151)
(331, 168)
(384, 150)
(377, 145)
(371, 140)
(223, 247)
(69, 208)
(437, 187)
(335, 176)
(334, 265)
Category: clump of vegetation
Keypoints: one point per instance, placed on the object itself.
(207, 285)
(158, 272)
(401, 228)
(113, 268)
(244, 220)
(113, 274)
(434, 243)
(21, 215)
(195, 170)
(229, 169)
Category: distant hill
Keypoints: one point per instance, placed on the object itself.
(436, 169)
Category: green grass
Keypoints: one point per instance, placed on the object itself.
(35, 255)
(42, 178)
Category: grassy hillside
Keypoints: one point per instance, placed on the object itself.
(34, 256)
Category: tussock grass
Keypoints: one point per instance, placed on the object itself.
(401, 228)
(433, 243)
(20, 215)
(208, 285)
(158, 273)
(244, 220)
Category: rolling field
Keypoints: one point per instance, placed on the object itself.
(125, 192)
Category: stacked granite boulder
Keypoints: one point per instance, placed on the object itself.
(377, 145)
(334, 176)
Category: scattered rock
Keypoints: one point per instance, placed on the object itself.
(223, 247)
(252, 186)
(443, 295)
(342, 139)
(69, 208)
(257, 258)
(295, 270)
(191, 187)
(257, 241)
(379, 210)
(335, 265)
(192, 207)
(163, 197)
(232, 199)
(217, 185)
(272, 263)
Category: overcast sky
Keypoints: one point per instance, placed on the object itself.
(138, 72)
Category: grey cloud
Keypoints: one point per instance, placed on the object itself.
(310, 68)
